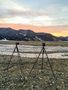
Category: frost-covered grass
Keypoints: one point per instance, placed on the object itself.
(13, 79)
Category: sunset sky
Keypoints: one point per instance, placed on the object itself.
(49, 16)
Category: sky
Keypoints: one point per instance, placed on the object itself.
(36, 14)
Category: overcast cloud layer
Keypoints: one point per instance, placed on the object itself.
(34, 12)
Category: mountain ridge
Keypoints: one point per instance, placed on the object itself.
(28, 35)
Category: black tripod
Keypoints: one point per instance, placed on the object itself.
(19, 57)
(43, 51)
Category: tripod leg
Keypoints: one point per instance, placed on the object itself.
(33, 65)
(50, 65)
(10, 59)
(35, 62)
(51, 69)
(42, 59)
(20, 61)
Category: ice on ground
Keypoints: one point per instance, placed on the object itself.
(29, 48)
(8, 49)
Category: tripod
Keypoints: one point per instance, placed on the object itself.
(20, 61)
(43, 51)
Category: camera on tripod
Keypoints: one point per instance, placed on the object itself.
(43, 44)
(17, 43)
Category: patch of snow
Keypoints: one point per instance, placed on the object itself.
(38, 38)
(8, 49)
(24, 35)
(4, 39)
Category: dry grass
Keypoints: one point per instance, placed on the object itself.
(13, 79)
(37, 43)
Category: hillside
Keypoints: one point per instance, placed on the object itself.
(27, 35)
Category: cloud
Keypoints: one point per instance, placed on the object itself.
(17, 20)
(60, 21)
(42, 21)
(10, 4)
(13, 12)
(9, 8)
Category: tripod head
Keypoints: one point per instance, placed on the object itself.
(43, 44)
(17, 43)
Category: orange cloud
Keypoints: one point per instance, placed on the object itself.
(55, 30)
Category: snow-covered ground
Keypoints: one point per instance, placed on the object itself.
(59, 51)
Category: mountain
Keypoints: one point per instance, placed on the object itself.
(46, 36)
(12, 34)
(63, 38)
